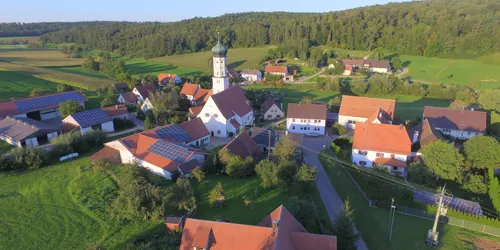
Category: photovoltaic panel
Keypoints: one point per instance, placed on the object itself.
(47, 101)
(91, 117)
(129, 143)
(173, 131)
(169, 150)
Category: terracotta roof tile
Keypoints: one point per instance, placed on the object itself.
(381, 116)
(276, 69)
(129, 97)
(116, 110)
(307, 241)
(195, 129)
(426, 134)
(232, 100)
(243, 146)
(390, 162)
(357, 106)
(250, 72)
(464, 120)
(195, 110)
(108, 153)
(190, 89)
(200, 95)
(208, 95)
(163, 76)
(8, 108)
(307, 111)
(235, 124)
(382, 138)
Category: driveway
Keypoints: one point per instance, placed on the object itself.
(217, 141)
(332, 201)
(138, 123)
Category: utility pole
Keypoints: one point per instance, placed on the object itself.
(392, 212)
(432, 234)
(269, 145)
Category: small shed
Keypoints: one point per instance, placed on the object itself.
(91, 119)
(174, 222)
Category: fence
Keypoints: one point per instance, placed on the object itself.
(495, 231)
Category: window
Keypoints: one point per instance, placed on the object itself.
(207, 115)
(293, 120)
(293, 127)
(278, 116)
(216, 116)
(469, 133)
(392, 156)
(269, 116)
(218, 132)
(380, 154)
(363, 152)
(362, 163)
(394, 168)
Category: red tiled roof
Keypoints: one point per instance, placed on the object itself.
(146, 89)
(163, 76)
(116, 110)
(390, 162)
(129, 97)
(382, 138)
(381, 116)
(243, 146)
(195, 110)
(348, 67)
(8, 108)
(276, 69)
(195, 129)
(108, 153)
(232, 100)
(208, 95)
(201, 94)
(426, 134)
(357, 106)
(307, 111)
(190, 89)
(235, 123)
(463, 120)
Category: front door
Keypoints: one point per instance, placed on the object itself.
(212, 133)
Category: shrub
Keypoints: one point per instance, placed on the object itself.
(215, 193)
(69, 107)
(63, 88)
(198, 174)
(475, 183)
(235, 166)
(36, 92)
(339, 129)
(27, 158)
(494, 189)
(122, 124)
(108, 101)
(76, 142)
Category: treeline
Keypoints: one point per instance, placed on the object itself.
(448, 28)
(37, 29)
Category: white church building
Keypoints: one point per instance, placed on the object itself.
(227, 111)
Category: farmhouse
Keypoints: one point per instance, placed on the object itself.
(41, 107)
(355, 109)
(120, 87)
(462, 124)
(243, 146)
(267, 139)
(306, 118)
(195, 93)
(271, 110)
(423, 134)
(165, 79)
(26, 132)
(88, 120)
(227, 110)
(372, 65)
(381, 144)
(127, 98)
(278, 231)
(279, 70)
(161, 150)
(251, 75)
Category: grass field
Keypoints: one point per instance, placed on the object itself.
(81, 71)
(31, 39)
(240, 58)
(39, 57)
(408, 232)
(17, 84)
(138, 67)
(407, 107)
(472, 73)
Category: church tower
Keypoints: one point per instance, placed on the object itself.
(220, 79)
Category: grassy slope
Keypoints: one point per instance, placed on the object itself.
(408, 232)
(81, 71)
(19, 84)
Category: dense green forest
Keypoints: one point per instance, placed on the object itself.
(446, 28)
(37, 29)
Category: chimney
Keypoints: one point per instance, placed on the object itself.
(116, 106)
(275, 225)
(380, 114)
(471, 109)
(415, 137)
(400, 126)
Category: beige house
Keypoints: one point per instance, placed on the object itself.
(271, 110)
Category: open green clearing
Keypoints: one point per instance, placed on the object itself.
(240, 58)
(80, 71)
(407, 107)
(39, 57)
(137, 67)
(20, 38)
(408, 232)
(473, 73)
(17, 84)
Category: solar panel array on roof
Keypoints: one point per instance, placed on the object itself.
(170, 151)
(129, 143)
(91, 117)
(173, 131)
(47, 101)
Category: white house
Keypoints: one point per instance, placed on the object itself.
(355, 109)
(271, 110)
(88, 120)
(195, 93)
(306, 118)
(377, 66)
(127, 98)
(381, 144)
(26, 132)
(279, 70)
(163, 150)
(462, 124)
(227, 110)
(251, 75)
(39, 108)
(142, 92)
(165, 79)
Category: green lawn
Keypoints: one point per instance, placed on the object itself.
(138, 67)
(23, 38)
(407, 107)
(240, 58)
(408, 232)
(59, 207)
(472, 73)
(16, 84)
(81, 71)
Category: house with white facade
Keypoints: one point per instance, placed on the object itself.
(461, 124)
(283, 71)
(127, 98)
(251, 75)
(142, 92)
(93, 119)
(39, 108)
(195, 93)
(376, 66)
(355, 109)
(309, 119)
(422, 135)
(26, 132)
(165, 79)
(384, 145)
(163, 150)
(271, 110)
(227, 110)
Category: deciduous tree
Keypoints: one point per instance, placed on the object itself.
(482, 152)
(69, 107)
(443, 159)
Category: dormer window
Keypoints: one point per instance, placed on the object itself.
(207, 115)
(216, 116)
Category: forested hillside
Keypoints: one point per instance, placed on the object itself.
(446, 28)
(36, 29)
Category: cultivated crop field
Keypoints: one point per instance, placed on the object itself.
(137, 67)
(240, 58)
(475, 74)
(38, 57)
